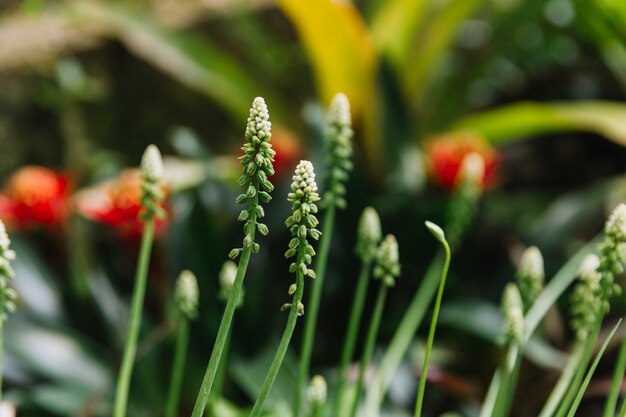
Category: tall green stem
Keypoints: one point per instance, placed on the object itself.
(178, 368)
(616, 384)
(313, 306)
(431, 333)
(370, 341)
(353, 331)
(508, 381)
(227, 318)
(130, 350)
(284, 342)
(556, 396)
(218, 385)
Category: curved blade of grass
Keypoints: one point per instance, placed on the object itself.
(590, 372)
(186, 58)
(520, 120)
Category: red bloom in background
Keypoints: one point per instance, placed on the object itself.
(288, 152)
(35, 196)
(116, 203)
(446, 153)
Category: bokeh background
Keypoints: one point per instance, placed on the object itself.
(537, 87)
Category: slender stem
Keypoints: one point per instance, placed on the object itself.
(507, 381)
(492, 394)
(313, 306)
(431, 333)
(370, 341)
(622, 409)
(556, 396)
(353, 331)
(318, 411)
(403, 336)
(616, 384)
(580, 372)
(130, 350)
(284, 342)
(1, 359)
(218, 385)
(227, 318)
(178, 368)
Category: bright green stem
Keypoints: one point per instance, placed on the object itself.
(284, 342)
(622, 409)
(370, 341)
(227, 318)
(508, 381)
(318, 411)
(556, 396)
(403, 336)
(353, 330)
(130, 350)
(310, 321)
(570, 394)
(218, 385)
(616, 384)
(431, 333)
(592, 369)
(178, 368)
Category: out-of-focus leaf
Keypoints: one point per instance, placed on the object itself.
(433, 42)
(65, 400)
(56, 354)
(394, 27)
(485, 320)
(187, 58)
(518, 121)
(35, 283)
(340, 48)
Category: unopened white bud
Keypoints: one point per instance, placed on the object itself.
(152, 164)
(473, 168)
(616, 224)
(187, 294)
(317, 391)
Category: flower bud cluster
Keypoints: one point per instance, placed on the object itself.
(369, 234)
(530, 275)
(513, 309)
(586, 300)
(257, 167)
(612, 254)
(387, 267)
(302, 223)
(187, 294)
(317, 392)
(152, 193)
(338, 143)
(228, 274)
(7, 294)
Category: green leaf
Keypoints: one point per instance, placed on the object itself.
(521, 120)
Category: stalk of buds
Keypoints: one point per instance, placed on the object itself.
(338, 142)
(228, 273)
(513, 309)
(369, 234)
(530, 275)
(612, 251)
(387, 267)
(152, 194)
(7, 294)
(257, 166)
(317, 392)
(586, 302)
(186, 294)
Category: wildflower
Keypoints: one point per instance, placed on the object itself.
(117, 203)
(512, 307)
(446, 153)
(35, 196)
(7, 294)
(586, 300)
(530, 275)
(612, 253)
(302, 223)
(317, 391)
(151, 192)
(387, 267)
(369, 234)
(186, 294)
(338, 142)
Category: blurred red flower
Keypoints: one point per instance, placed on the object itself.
(116, 203)
(35, 196)
(288, 152)
(445, 154)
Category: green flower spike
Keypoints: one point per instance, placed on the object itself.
(317, 392)
(530, 275)
(387, 267)
(512, 307)
(369, 234)
(338, 142)
(7, 294)
(612, 253)
(302, 223)
(586, 302)
(151, 188)
(186, 294)
(257, 167)
(228, 273)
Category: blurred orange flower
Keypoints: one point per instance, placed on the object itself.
(116, 203)
(288, 152)
(35, 196)
(446, 152)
